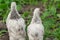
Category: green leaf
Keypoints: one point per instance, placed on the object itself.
(58, 4)
(58, 15)
(52, 10)
(3, 6)
(26, 13)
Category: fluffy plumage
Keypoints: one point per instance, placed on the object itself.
(15, 24)
(35, 29)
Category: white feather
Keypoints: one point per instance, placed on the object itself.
(36, 30)
(16, 27)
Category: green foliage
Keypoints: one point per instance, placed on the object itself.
(58, 15)
(50, 17)
(2, 32)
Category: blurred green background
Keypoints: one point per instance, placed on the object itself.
(50, 14)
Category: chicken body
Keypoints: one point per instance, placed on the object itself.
(15, 24)
(36, 29)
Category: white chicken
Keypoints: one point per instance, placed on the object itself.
(35, 30)
(15, 24)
